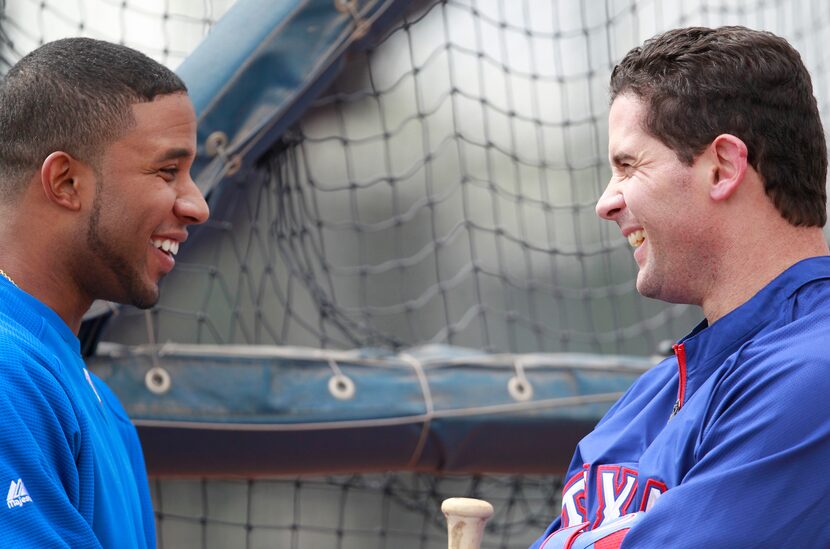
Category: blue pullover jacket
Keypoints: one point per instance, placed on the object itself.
(69, 457)
(725, 444)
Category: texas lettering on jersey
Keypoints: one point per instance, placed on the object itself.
(615, 495)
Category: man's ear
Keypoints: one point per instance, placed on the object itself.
(60, 177)
(730, 165)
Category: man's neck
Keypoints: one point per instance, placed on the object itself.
(762, 259)
(47, 282)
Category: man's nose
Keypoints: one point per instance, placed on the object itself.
(611, 203)
(190, 205)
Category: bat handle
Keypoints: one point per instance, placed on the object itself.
(465, 521)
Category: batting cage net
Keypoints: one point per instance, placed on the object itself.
(440, 191)
(400, 510)
(166, 30)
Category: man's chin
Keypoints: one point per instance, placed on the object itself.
(145, 297)
(144, 305)
(669, 291)
(146, 302)
(646, 287)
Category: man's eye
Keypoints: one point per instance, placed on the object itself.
(171, 172)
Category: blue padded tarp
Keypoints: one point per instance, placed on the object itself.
(262, 65)
(260, 410)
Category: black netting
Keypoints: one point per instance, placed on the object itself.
(400, 510)
(166, 30)
(443, 190)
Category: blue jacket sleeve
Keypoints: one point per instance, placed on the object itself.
(575, 467)
(39, 460)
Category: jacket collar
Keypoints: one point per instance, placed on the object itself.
(706, 347)
(32, 314)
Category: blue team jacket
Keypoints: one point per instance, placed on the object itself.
(725, 444)
(71, 465)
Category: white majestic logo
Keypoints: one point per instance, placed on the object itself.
(18, 495)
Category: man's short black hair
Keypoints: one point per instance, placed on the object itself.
(73, 95)
(698, 83)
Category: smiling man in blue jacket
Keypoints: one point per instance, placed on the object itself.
(96, 143)
(719, 164)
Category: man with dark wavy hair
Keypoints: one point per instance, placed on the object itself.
(96, 144)
(719, 164)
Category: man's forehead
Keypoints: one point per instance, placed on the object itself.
(168, 122)
(165, 110)
(625, 127)
(626, 113)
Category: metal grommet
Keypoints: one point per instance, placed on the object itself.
(233, 164)
(157, 380)
(341, 387)
(345, 6)
(361, 29)
(520, 388)
(215, 142)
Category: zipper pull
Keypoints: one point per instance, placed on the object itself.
(675, 409)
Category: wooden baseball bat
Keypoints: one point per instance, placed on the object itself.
(465, 521)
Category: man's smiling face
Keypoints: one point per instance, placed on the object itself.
(660, 206)
(144, 201)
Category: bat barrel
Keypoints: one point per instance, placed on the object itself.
(465, 521)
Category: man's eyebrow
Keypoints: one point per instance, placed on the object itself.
(174, 154)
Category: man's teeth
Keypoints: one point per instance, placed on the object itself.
(636, 238)
(170, 246)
